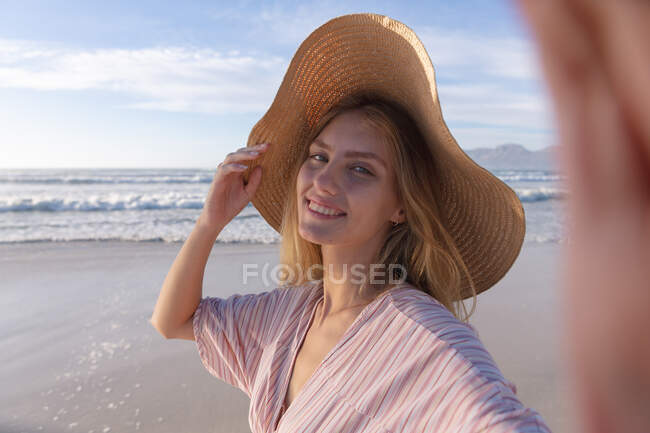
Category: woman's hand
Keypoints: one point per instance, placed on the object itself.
(596, 60)
(228, 194)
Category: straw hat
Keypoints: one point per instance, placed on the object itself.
(370, 52)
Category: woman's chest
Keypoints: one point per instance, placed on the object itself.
(316, 377)
(313, 401)
(310, 355)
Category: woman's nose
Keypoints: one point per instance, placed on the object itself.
(325, 180)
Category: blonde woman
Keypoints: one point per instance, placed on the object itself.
(387, 227)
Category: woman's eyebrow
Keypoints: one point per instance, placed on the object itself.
(352, 153)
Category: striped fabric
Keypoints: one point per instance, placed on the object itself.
(406, 364)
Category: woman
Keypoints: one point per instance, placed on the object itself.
(360, 172)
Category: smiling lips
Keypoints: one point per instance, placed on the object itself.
(323, 211)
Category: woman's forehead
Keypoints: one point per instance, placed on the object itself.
(348, 131)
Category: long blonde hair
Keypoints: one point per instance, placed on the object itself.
(421, 244)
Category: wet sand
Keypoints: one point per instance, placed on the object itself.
(79, 354)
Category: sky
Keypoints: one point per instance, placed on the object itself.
(161, 84)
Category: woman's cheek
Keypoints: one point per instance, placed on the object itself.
(305, 175)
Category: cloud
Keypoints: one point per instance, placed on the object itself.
(488, 81)
(494, 105)
(163, 78)
(482, 81)
(464, 53)
(467, 56)
(278, 23)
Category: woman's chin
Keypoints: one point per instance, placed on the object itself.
(320, 237)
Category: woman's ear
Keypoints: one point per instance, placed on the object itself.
(398, 216)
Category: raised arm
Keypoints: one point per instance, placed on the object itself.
(183, 286)
(182, 289)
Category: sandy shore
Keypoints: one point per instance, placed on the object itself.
(79, 355)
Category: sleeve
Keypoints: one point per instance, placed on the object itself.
(496, 409)
(473, 405)
(487, 400)
(231, 334)
(468, 393)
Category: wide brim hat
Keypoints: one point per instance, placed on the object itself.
(368, 52)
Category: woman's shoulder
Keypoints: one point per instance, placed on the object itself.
(297, 296)
(443, 330)
(304, 290)
(423, 309)
(279, 299)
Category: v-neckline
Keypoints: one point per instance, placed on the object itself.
(281, 410)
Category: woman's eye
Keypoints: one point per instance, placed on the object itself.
(363, 169)
(314, 155)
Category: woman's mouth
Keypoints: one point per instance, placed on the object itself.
(321, 211)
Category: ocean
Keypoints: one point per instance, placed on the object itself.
(63, 205)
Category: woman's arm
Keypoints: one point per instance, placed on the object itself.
(596, 60)
(183, 287)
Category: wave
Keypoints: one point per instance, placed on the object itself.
(188, 176)
(542, 193)
(529, 239)
(108, 203)
(161, 201)
(141, 239)
(528, 175)
(96, 203)
(108, 179)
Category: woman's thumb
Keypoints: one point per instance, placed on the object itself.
(253, 181)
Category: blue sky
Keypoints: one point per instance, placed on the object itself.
(181, 84)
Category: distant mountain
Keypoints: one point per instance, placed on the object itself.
(514, 156)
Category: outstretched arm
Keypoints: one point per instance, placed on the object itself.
(596, 60)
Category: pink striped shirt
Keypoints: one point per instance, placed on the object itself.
(405, 364)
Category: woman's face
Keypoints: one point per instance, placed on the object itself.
(359, 187)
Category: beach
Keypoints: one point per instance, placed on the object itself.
(79, 354)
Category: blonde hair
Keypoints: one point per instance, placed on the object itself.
(421, 244)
